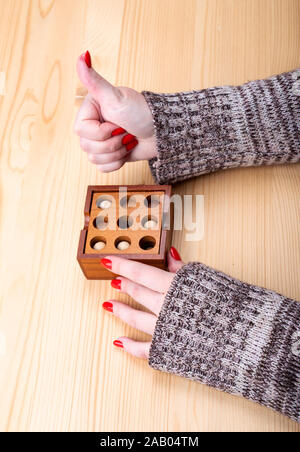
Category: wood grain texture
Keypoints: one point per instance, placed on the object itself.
(58, 370)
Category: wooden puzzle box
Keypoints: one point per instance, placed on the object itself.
(133, 221)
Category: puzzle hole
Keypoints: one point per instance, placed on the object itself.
(100, 222)
(104, 202)
(98, 243)
(152, 201)
(128, 201)
(125, 222)
(149, 222)
(122, 243)
(147, 243)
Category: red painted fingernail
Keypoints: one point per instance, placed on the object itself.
(116, 283)
(118, 344)
(175, 254)
(108, 306)
(118, 131)
(128, 138)
(87, 59)
(131, 145)
(107, 263)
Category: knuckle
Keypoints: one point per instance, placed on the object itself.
(77, 128)
(111, 146)
(118, 155)
(83, 144)
(102, 169)
(107, 157)
(101, 136)
(91, 158)
(118, 165)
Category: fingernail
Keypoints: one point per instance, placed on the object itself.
(107, 263)
(108, 306)
(116, 283)
(87, 59)
(131, 145)
(175, 254)
(118, 344)
(118, 131)
(128, 138)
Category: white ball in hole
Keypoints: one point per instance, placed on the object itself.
(131, 201)
(150, 224)
(99, 246)
(123, 245)
(105, 204)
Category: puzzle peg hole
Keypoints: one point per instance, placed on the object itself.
(128, 201)
(147, 243)
(100, 222)
(122, 243)
(98, 243)
(104, 202)
(152, 201)
(149, 222)
(125, 222)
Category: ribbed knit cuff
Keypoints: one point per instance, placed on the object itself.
(230, 335)
(199, 132)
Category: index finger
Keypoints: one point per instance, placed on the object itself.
(146, 275)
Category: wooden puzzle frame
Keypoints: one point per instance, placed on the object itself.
(89, 260)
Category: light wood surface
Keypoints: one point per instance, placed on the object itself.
(59, 371)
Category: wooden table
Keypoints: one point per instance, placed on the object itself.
(59, 371)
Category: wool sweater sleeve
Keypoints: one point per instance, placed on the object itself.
(198, 132)
(230, 335)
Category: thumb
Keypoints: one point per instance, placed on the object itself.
(174, 260)
(99, 88)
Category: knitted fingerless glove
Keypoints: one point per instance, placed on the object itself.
(232, 336)
(203, 131)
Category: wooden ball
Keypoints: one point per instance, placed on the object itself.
(150, 224)
(123, 245)
(99, 246)
(105, 204)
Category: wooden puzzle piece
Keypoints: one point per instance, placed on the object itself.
(126, 221)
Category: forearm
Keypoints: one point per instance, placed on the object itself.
(198, 132)
(230, 335)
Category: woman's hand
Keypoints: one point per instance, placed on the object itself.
(115, 124)
(148, 286)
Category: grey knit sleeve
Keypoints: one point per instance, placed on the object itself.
(230, 335)
(198, 132)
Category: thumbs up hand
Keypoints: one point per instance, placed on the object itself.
(114, 124)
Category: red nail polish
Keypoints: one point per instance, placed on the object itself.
(108, 306)
(118, 344)
(87, 59)
(128, 138)
(175, 254)
(116, 283)
(131, 145)
(118, 131)
(107, 263)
